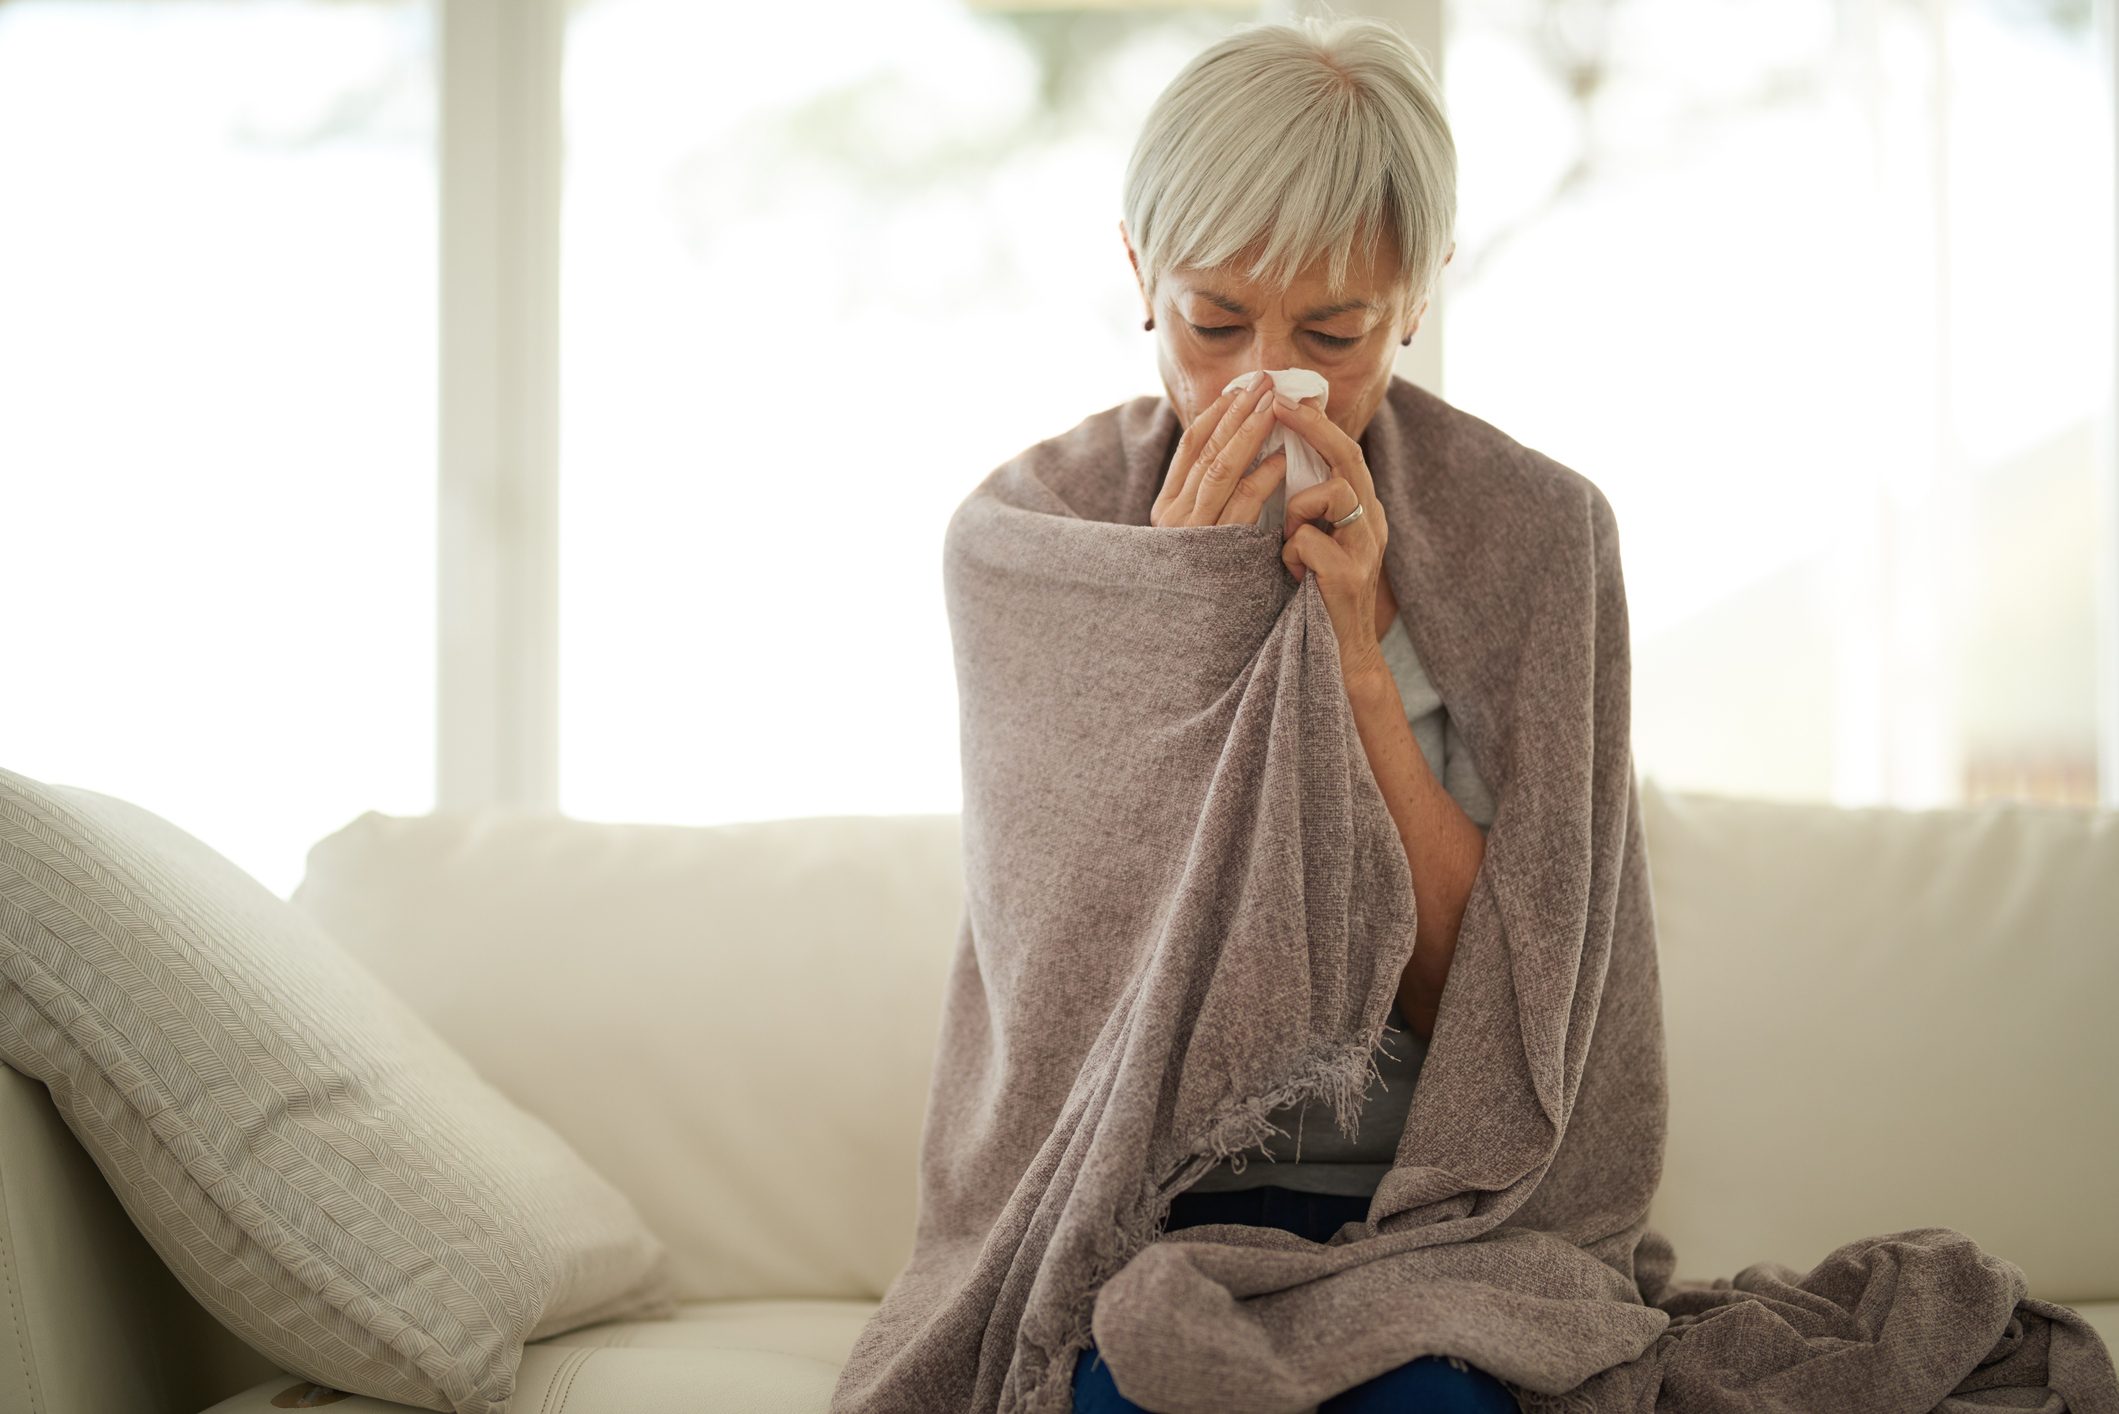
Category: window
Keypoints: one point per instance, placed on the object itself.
(217, 412)
(774, 278)
(1819, 293)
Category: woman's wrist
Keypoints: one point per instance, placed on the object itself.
(1370, 687)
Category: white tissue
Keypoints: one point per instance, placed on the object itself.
(1306, 466)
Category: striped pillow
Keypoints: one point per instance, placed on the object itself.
(317, 1166)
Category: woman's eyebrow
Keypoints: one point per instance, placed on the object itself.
(1323, 311)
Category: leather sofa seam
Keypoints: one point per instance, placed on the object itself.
(563, 1384)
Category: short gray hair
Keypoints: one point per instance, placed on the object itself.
(1298, 135)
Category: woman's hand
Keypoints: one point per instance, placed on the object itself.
(1206, 484)
(1348, 562)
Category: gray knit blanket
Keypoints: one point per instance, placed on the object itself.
(1186, 905)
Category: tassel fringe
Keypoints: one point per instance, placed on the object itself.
(1339, 1072)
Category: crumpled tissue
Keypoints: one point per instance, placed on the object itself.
(1306, 465)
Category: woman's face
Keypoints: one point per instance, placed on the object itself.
(1211, 325)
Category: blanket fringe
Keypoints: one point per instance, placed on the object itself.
(1337, 1071)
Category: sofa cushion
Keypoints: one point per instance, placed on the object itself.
(781, 1356)
(581, 1379)
(779, 982)
(323, 1173)
(821, 1329)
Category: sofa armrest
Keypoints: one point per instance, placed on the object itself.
(91, 1319)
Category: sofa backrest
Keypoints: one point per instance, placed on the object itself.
(1877, 1019)
(732, 1023)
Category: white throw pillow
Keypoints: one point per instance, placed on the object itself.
(317, 1166)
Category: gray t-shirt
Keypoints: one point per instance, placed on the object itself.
(1312, 1156)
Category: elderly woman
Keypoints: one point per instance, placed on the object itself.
(1289, 205)
(1187, 906)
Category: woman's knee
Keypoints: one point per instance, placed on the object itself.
(1095, 1392)
(1436, 1383)
(1442, 1384)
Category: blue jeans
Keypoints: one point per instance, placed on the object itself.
(1430, 1384)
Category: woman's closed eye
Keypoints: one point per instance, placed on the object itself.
(1216, 331)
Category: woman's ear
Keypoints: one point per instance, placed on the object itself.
(1134, 260)
(1413, 325)
(1421, 312)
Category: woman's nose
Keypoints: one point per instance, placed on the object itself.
(1272, 354)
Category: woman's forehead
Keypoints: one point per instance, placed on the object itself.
(1267, 297)
(1372, 280)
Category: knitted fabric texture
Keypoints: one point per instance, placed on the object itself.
(1186, 905)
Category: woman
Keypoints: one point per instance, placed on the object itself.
(1289, 205)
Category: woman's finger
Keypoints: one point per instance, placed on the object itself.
(1216, 451)
(1188, 446)
(1219, 476)
(1331, 500)
(1341, 452)
(1311, 549)
(1206, 435)
(1254, 490)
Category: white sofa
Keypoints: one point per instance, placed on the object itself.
(782, 981)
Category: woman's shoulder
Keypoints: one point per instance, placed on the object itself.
(1465, 446)
(1461, 455)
